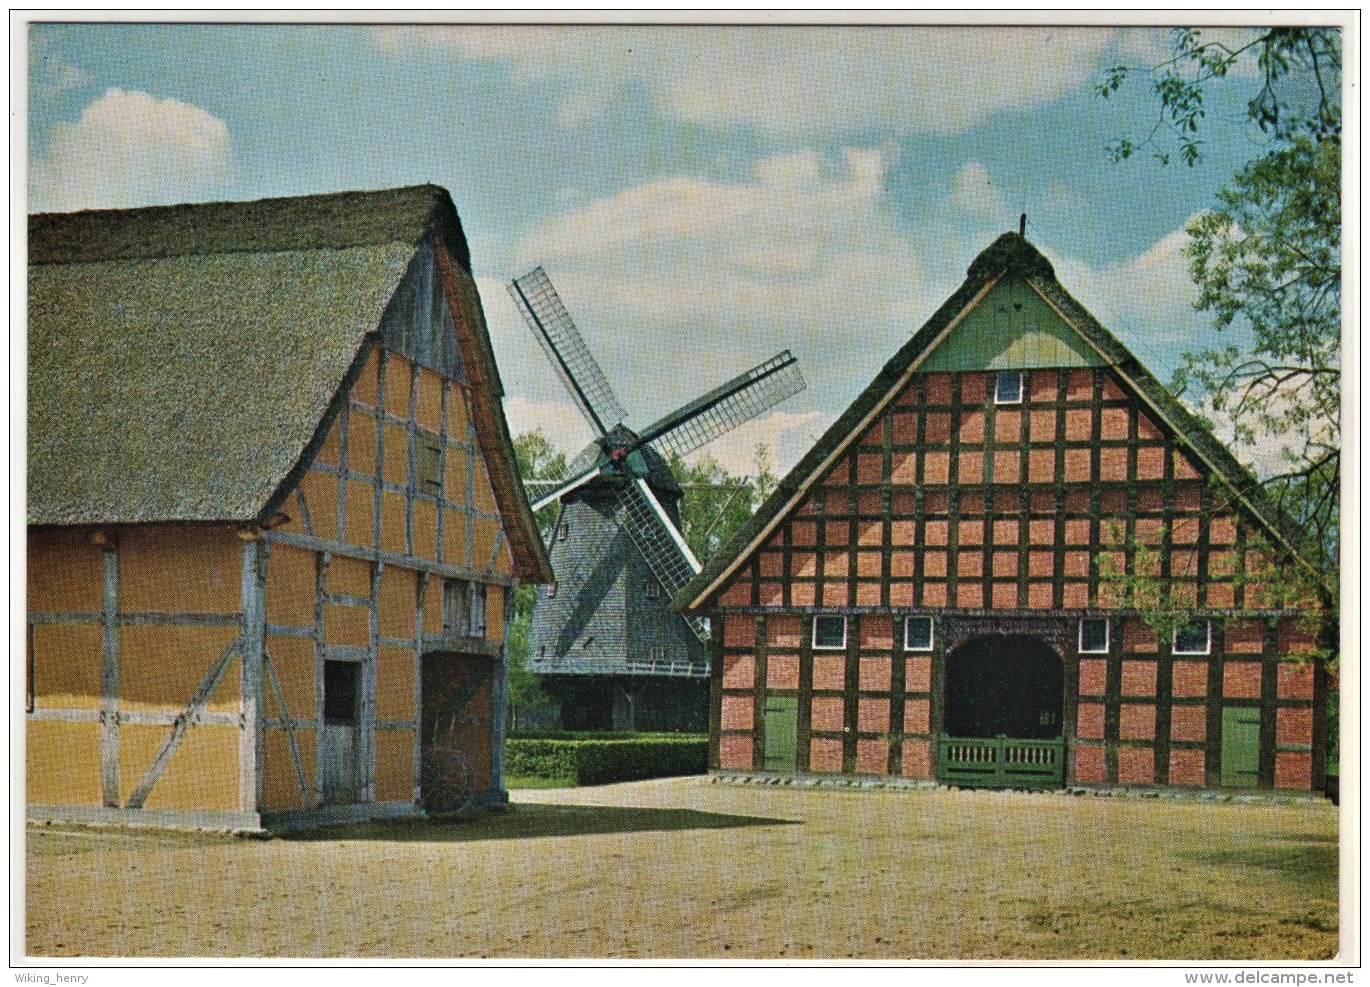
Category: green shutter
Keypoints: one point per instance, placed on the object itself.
(1241, 755)
(781, 716)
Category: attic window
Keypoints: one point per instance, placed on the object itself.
(427, 464)
(563, 531)
(653, 589)
(551, 590)
(656, 652)
(1008, 387)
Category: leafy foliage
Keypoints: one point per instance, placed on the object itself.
(716, 503)
(1268, 259)
(538, 459)
(1300, 80)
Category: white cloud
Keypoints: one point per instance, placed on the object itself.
(972, 190)
(787, 435)
(558, 420)
(718, 275)
(787, 80)
(130, 149)
(1147, 300)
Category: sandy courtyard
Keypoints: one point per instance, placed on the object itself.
(686, 868)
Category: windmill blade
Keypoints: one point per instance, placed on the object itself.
(661, 544)
(724, 408)
(564, 487)
(541, 307)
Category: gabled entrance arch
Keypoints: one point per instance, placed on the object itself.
(1004, 700)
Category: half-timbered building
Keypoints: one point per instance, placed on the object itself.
(274, 518)
(1015, 560)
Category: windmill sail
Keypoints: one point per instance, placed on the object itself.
(541, 307)
(667, 554)
(724, 408)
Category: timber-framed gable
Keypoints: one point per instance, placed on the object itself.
(1004, 487)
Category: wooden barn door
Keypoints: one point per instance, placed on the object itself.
(340, 781)
(1241, 747)
(782, 714)
(456, 750)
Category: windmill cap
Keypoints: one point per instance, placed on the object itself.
(1011, 252)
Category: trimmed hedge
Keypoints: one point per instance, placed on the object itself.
(601, 735)
(599, 762)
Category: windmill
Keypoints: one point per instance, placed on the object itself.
(603, 635)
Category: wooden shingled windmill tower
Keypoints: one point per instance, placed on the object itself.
(603, 635)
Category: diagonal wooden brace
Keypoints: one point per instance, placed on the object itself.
(184, 721)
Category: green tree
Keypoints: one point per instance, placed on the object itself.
(539, 463)
(1267, 261)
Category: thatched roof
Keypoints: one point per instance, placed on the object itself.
(181, 359)
(1009, 254)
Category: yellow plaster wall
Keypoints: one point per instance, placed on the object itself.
(458, 417)
(393, 522)
(398, 373)
(348, 576)
(160, 667)
(394, 766)
(361, 443)
(482, 494)
(359, 514)
(174, 568)
(291, 575)
(346, 625)
(429, 411)
(454, 477)
(395, 684)
(321, 494)
(483, 532)
(293, 660)
(494, 613)
(282, 784)
(453, 537)
(395, 455)
(398, 599)
(425, 532)
(65, 572)
(202, 774)
(66, 666)
(63, 763)
(329, 448)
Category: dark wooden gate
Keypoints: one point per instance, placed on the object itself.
(455, 746)
(1001, 762)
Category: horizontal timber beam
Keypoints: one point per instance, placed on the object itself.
(366, 554)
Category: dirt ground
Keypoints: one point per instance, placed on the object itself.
(687, 868)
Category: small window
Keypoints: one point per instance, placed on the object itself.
(1093, 637)
(656, 652)
(1008, 387)
(918, 634)
(542, 651)
(1194, 638)
(477, 625)
(830, 632)
(653, 589)
(551, 590)
(563, 531)
(340, 692)
(456, 608)
(427, 464)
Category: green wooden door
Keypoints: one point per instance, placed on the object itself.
(782, 712)
(1241, 755)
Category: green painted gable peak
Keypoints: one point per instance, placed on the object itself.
(1011, 328)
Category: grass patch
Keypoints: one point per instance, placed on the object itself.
(533, 781)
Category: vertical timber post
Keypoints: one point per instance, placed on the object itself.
(421, 586)
(109, 675)
(251, 737)
(499, 700)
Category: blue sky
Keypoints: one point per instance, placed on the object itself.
(702, 197)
